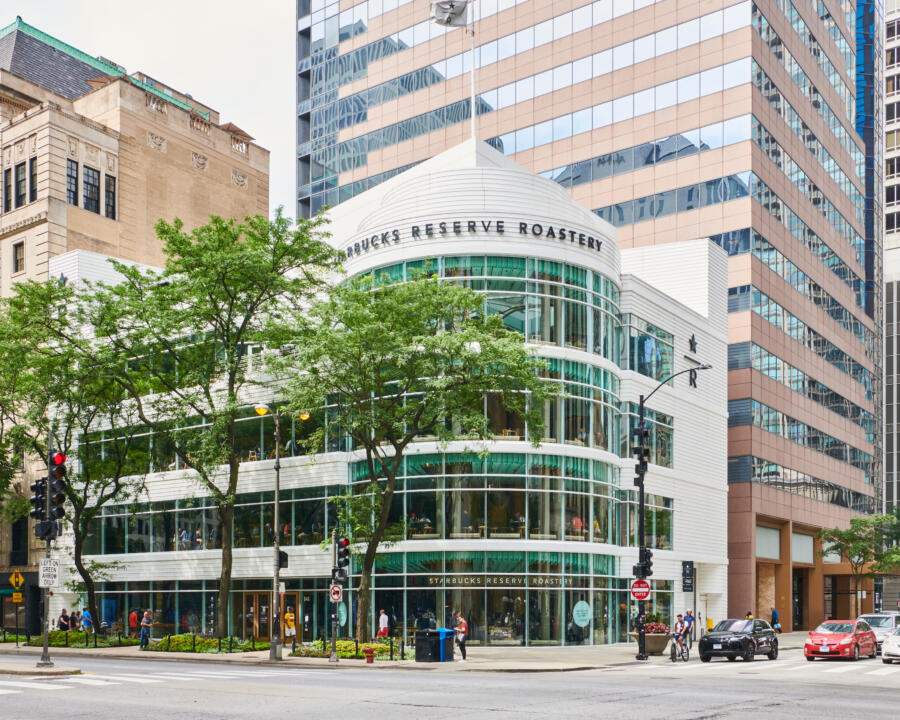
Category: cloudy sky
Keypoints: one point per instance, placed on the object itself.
(234, 56)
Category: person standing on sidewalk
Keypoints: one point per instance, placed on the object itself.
(776, 623)
(384, 624)
(146, 624)
(462, 632)
(689, 627)
(63, 622)
(133, 623)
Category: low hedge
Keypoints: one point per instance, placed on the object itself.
(346, 649)
(12, 638)
(61, 638)
(187, 643)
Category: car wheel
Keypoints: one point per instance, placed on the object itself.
(809, 658)
(748, 654)
(774, 654)
(886, 662)
(855, 653)
(731, 658)
(707, 658)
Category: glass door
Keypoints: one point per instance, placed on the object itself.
(256, 616)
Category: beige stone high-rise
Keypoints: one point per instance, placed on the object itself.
(90, 158)
(672, 119)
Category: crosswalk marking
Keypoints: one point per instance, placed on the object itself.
(89, 681)
(845, 668)
(32, 685)
(9, 692)
(884, 671)
(127, 678)
(171, 676)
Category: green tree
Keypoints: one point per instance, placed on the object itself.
(176, 342)
(398, 362)
(49, 393)
(864, 546)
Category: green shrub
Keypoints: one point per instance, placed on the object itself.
(187, 643)
(58, 638)
(12, 638)
(346, 649)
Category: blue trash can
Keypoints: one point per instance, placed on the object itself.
(446, 635)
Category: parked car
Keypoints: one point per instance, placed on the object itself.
(890, 650)
(841, 639)
(739, 637)
(882, 624)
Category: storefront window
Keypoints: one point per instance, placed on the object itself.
(506, 617)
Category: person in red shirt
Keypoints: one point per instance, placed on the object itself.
(133, 623)
(462, 632)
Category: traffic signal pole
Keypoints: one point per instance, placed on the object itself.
(45, 660)
(275, 641)
(334, 625)
(642, 604)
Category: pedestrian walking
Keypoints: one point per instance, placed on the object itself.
(462, 632)
(75, 621)
(776, 623)
(383, 624)
(749, 615)
(133, 623)
(63, 622)
(87, 621)
(146, 624)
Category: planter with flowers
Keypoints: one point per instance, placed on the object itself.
(656, 636)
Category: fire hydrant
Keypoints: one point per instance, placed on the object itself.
(370, 653)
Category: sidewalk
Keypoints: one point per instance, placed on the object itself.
(481, 659)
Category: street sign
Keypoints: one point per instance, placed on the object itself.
(640, 589)
(687, 576)
(48, 573)
(16, 580)
(281, 588)
(336, 593)
(17, 597)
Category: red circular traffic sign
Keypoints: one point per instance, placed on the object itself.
(640, 589)
(336, 592)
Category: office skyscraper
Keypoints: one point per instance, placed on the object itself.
(757, 124)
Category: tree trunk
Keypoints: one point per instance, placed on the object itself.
(364, 596)
(853, 607)
(226, 515)
(89, 586)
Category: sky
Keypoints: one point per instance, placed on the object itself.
(234, 56)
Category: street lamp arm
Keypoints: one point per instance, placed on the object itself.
(705, 366)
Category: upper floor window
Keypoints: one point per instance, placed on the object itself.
(32, 179)
(91, 189)
(72, 182)
(18, 257)
(7, 190)
(20, 184)
(110, 197)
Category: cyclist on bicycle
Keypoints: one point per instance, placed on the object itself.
(679, 631)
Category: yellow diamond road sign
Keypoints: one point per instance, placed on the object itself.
(16, 579)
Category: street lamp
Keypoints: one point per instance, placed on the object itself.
(641, 568)
(275, 642)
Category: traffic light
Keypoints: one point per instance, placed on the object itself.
(282, 559)
(343, 552)
(56, 479)
(646, 562)
(38, 505)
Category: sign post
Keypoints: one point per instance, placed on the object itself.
(16, 580)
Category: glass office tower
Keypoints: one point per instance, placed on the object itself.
(754, 123)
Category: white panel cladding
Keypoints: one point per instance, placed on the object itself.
(79, 265)
(296, 472)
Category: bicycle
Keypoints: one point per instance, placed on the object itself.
(676, 651)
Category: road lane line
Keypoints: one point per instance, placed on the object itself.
(883, 671)
(9, 692)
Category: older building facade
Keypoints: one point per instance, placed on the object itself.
(755, 124)
(90, 158)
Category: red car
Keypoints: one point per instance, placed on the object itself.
(841, 639)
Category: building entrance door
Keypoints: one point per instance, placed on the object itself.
(257, 616)
(797, 601)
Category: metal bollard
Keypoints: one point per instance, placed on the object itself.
(193, 642)
(168, 642)
(67, 638)
(294, 644)
(252, 643)
(356, 651)
(220, 644)
(230, 643)
(402, 649)
(392, 648)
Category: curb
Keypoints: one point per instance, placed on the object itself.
(38, 672)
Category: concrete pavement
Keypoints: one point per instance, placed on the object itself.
(500, 659)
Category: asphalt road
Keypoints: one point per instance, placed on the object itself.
(788, 687)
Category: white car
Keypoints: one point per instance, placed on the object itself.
(890, 649)
(882, 624)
